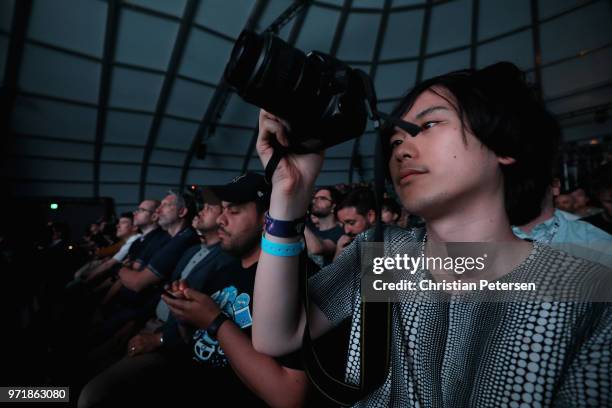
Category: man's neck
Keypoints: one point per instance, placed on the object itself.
(327, 223)
(174, 229)
(251, 257)
(469, 224)
(148, 228)
(210, 238)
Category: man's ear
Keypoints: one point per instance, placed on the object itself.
(506, 160)
(556, 187)
(371, 217)
(261, 220)
(183, 212)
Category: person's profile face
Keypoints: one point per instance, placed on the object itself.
(124, 227)
(605, 198)
(353, 223)
(388, 217)
(168, 211)
(206, 219)
(444, 167)
(322, 204)
(580, 198)
(564, 202)
(238, 225)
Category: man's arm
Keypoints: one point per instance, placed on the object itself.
(106, 265)
(278, 316)
(318, 246)
(111, 292)
(343, 242)
(137, 280)
(261, 373)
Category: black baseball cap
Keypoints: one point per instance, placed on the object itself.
(244, 188)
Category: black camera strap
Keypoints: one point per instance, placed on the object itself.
(279, 152)
(375, 323)
(375, 329)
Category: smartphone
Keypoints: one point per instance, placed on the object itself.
(170, 294)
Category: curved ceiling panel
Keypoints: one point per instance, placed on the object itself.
(114, 97)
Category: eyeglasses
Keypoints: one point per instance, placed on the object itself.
(140, 209)
(320, 198)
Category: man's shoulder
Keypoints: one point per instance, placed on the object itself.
(157, 235)
(393, 235)
(333, 233)
(564, 270)
(582, 231)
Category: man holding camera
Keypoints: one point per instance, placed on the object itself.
(481, 162)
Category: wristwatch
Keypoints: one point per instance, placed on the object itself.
(213, 328)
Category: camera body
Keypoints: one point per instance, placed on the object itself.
(320, 97)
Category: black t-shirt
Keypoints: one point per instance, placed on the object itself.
(599, 221)
(142, 250)
(164, 261)
(332, 234)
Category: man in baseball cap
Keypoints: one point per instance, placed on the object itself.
(244, 188)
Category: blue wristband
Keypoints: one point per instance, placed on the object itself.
(284, 229)
(281, 249)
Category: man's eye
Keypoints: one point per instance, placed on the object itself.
(429, 124)
(396, 142)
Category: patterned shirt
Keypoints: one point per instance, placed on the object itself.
(448, 351)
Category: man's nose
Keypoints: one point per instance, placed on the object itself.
(407, 149)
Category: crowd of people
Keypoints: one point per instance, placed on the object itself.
(196, 293)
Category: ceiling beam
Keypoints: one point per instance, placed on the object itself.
(219, 100)
(344, 13)
(291, 40)
(356, 161)
(424, 39)
(537, 50)
(175, 59)
(8, 94)
(110, 45)
(474, 33)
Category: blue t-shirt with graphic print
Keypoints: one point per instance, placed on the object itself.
(231, 288)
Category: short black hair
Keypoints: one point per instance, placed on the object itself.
(126, 214)
(504, 113)
(333, 192)
(361, 198)
(392, 205)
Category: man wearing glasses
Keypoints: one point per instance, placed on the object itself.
(322, 241)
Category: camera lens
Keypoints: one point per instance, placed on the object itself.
(311, 92)
(245, 54)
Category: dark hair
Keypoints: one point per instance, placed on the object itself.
(392, 205)
(502, 111)
(185, 200)
(333, 192)
(361, 198)
(263, 203)
(603, 178)
(129, 215)
(156, 203)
